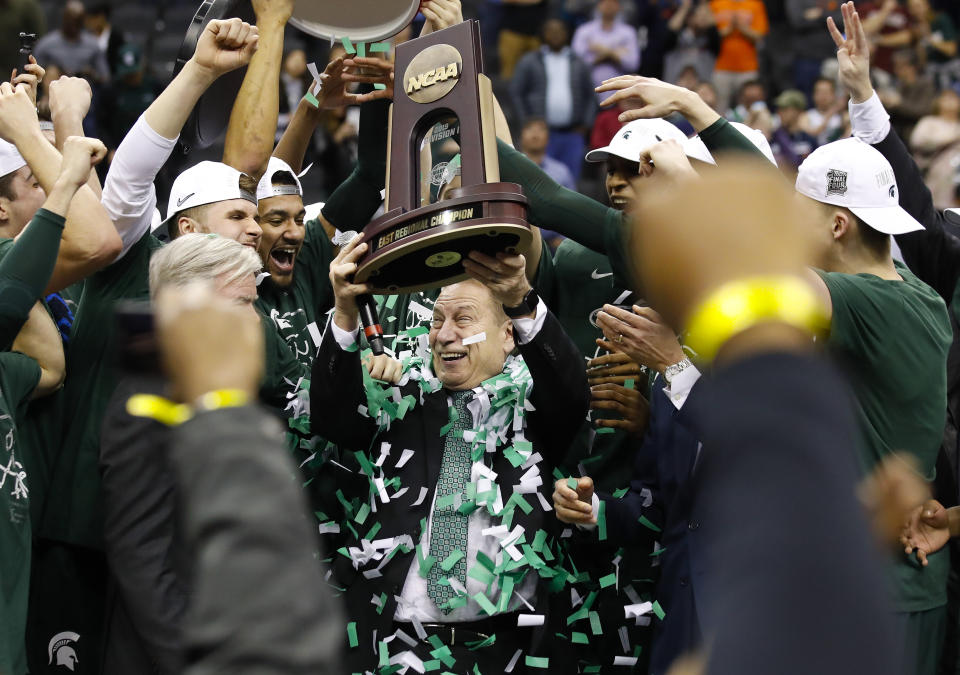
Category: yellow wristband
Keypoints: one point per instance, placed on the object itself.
(171, 414)
(739, 305)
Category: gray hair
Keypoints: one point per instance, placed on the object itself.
(200, 257)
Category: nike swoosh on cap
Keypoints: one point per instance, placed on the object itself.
(181, 201)
(595, 274)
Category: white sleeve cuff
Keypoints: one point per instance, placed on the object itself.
(680, 388)
(869, 120)
(528, 329)
(345, 339)
(595, 503)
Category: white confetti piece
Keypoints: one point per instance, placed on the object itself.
(624, 660)
(473, 339)
(404, 458)
(513, 661)
(423, 493)
(524, 620)
(633, 611)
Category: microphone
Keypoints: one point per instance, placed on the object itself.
(371, 323)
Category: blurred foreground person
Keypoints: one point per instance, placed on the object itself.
(755, 469)
(244, 521)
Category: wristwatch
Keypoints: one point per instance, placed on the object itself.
(672, 371)
(526, 307)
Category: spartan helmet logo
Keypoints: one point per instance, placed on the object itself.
(59, 648)
(626, 134)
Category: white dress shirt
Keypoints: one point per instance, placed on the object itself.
(414, 603)
(559, 110)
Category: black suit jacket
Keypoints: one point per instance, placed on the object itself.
(560, 396)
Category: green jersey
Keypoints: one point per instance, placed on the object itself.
(75, 514)
(584, 281)
(891, 338)
(19, 376)
(298, 312)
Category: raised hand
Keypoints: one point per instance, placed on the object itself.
(648, 98)
(613, 368)
(642, 335)
(927, 531)
(369, 70)
(504, 275)
(69, 99)
(574, 506)
(345, 292)
(853, 54)
(273, 10)
(225, 46)
(440, 14)
(18, 115)
(383, 367)
(80, 154)
(31, 78)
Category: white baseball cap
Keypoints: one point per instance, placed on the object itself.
(853, 174)
(10, 158)
(639, 135)
(203, 183)
(266, 188)
(755, 136)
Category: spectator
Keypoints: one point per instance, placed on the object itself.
(17, 16)
(607, 44)
(790, 143)
(911, 97)
(534, 142)
(708, 93)
(693, 41)
(811, 45)
(823, 121)
(889, 28)
(294, 80)
(97, 23)
(936, 37)
(130, 93)
(936, 147)
(520, 22)
(71, 49)
(554, 84)
(751, 108)
(742, 24)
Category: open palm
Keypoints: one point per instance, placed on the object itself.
(853, 53)
(927, 531)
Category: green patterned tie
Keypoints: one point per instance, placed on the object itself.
(448, 530)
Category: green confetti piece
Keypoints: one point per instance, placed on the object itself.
(649, 525)
(572, 483)
(659, 551)
(379, 47)
(447, 501)
(352, 634)
(391, 300)
(557, 473)
(628, 384)
(485, 604)
(384, 654)
(595, 624)
(579, 638)
(379, 85)
(451, 560)
(618, 494)
(602, 521)
(539, 539)
(383, 603)
(482, 575)
(480, 644)
(430, 666)
(537, 661)
(348, 45)
(591, 669)
(485, 561)
(608, 580)
(372, 532)
(658, 610)
(605, 430)
(362, 49)
(362, 513)
(312, 100)
(425, 563)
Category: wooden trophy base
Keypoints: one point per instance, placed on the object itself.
(424, 248)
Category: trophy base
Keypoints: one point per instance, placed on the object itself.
(424, 248)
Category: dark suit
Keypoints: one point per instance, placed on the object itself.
(663, 478)
(560, 396)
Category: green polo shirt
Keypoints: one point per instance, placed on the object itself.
(891, 338)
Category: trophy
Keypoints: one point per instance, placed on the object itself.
(420, 241)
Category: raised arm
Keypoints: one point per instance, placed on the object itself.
(69, 103)
(89, 240)
(128, 194)
(253, 121)
(26, 269)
